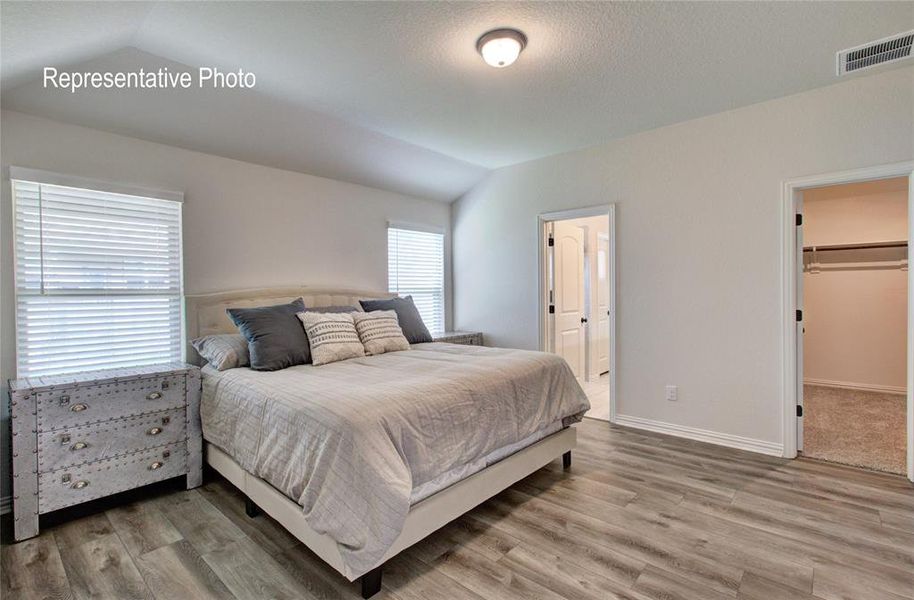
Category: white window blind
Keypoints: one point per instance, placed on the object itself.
(415, 267)
(98, 279)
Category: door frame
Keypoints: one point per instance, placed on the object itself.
(542, 320)
(790, 194)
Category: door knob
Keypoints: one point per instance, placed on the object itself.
(583, 319)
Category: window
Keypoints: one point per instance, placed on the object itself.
(415, 267)
(98, 279)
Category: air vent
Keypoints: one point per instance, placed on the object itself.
(880, 52)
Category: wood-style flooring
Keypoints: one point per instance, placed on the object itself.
(638, 516)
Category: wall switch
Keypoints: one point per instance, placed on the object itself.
(672, 393)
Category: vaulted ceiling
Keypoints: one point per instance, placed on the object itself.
(394, 95)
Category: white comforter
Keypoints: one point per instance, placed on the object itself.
(350, 440)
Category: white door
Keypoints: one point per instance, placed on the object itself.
(569, 295)
(799, 323)
(602, 303)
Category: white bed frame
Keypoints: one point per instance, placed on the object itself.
(205, 315)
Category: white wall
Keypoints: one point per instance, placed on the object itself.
(244, 225)
(856, 320)
(698, 243)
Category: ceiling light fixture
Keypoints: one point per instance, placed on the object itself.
(501, 47)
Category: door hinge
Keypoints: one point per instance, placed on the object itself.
(551, 309)
(799, 219)
(799, 315)
(551, 241)
(799, 410)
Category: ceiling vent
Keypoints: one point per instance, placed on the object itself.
(880, 52)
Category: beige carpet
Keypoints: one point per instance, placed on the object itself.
(863, 429)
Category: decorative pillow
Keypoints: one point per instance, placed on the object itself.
(275, 337)
(332, 336)
(380, 332)
(223, 351)
(407, 315)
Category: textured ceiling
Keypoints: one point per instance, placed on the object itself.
(406, 76)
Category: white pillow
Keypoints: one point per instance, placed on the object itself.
(223, 351)
(380, 331)
(332, 336)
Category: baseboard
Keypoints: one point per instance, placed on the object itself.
(6, 504)
(862, 387)
(703, 435)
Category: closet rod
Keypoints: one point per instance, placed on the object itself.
(839, 247)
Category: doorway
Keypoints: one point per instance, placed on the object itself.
(577, 299)
(848, 344)
(855, 270)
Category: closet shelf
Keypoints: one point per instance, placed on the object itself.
(865, 246)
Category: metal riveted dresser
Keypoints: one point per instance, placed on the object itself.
(84, 436)
(467, 338)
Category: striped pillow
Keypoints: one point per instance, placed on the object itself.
(332, 336)
(380, 331)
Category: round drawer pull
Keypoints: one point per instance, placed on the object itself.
(80, 484)
(79, 407)
(78, 446)
(154, 431)
(153, 395)
(155, 465)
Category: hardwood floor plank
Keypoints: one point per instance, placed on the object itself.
(33, 569)
(251, 573)
(631, 541)
(756, 587)
(902, 521)
(411, 579)
(563, 576)
(102, 568)
(489, 579)
(79, 531)
(319, 578)
(889, 578)
(263, 529)
(480, 537)
(198, 521)
(177, 571)
(663, 585)
(834, 582)
(142, 527)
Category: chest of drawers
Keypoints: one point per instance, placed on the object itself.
(81, 437)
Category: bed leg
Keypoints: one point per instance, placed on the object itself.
(371, 582)
(566, 460)
(251, 509)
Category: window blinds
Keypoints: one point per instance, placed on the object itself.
(98, 279)
(415, 267)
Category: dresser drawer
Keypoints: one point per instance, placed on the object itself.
(66, 487)
(86, 443)
(80, 405)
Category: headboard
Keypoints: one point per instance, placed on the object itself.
(204, 314)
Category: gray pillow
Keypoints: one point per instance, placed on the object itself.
(407, 314)
(223, 351)
(276, 338)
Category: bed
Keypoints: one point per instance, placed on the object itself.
(362, 458)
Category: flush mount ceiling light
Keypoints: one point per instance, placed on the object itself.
(501, 47)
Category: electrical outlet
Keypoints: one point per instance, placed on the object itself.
(672, 393)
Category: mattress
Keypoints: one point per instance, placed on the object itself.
(357, 442)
